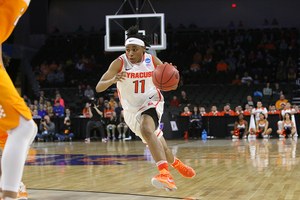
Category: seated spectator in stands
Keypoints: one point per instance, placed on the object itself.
(186, 111)
(247, 79)
(41, 111)
(267, 91)
(36, 103)
(79, 92)
(283, 45)
(58, 110)
(184, 99)
(231, 25)
(239, 38)
(281, 102)
(270, 46)
(296, 107)
(121, 125)
(51, 77)
(60, 77)
(101, 102)
(79, 66)
(240, 128)
(197, 57)
(66, 131)
(175, 102)
(291, 74)
(69, 113)
(231, 67)
(195, 123)
(222, 67)
(69, 62)
(275, 22)
(49, 108)
(202, 111)
(42, 101)
(108, 111)
(241, 24)
(214, 111)
(259, 56)
(112, 102)
(230, 59)
(35, 115)
(31, 108)
(112, 124)
(277, 90)
(46, 129)
(281, 72)
(227, 111)
(247, 110)
(89, 92)
(119, 109)
(237, 80)
(86, 110)
(256, 79)
(273, 110)
(60, 100)
(27, 100)
(238, 110)
(53, 66)
(207, 58)
(96, 116)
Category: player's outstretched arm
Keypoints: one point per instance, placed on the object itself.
(111, 76)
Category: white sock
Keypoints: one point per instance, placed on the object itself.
(15, 154)
(161, 162)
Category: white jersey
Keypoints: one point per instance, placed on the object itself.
(137, 90)
(258, 111)
(286, 111)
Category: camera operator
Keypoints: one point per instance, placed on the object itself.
(47, 129)
(66, 131)
(96, 115)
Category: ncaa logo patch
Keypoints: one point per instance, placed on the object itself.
(147, 60)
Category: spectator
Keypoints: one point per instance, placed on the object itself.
(283, 45)
(202, 111)
(79, 29)
(36, 103)
(186, 111)
(86, 110)
(119, 109)
(296, 107)
(112, 102)
(49, 108)
(108, 111)
(281, 72)
(230, 59)
(51, 77)
(275, 22)
(247, 79)
(281, 102)
(240, 128)
(241, 24)
(35, 115)
(238, 110)
(41, 111)
(247, 110)
(270, 46)
(96, 116)
(112, 124)
(89, 92)
(58, 110)
(26, 99)
(291, 75)
(222, 67)
(79, 92)
(288, 109)
(121, 125)
(47, 129)
(65, 131)
(267, 91)
(237, 80)
(60, 77)
(207, 58)
(214, 111)
(227, 111)
(79, 66)
(42, 101)
(273, 110)
(266, 23)
(277, 90)
(175, 102)
(231, 67)
(69, 113)
(239, 38)
(60, 100)
(184, 99)
(231, 25)
(195, 123)
(259, 109)
(256, 79)
(101, 102)
(250, 102)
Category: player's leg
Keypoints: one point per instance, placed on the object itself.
(12, 169)
(147, 127)
(184, 170)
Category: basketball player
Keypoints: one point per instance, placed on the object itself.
(143, 104)
(240, 128)
(15, 116)
(262, 127)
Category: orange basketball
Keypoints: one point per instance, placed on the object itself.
(165, 77)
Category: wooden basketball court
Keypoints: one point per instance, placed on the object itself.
(226, 169)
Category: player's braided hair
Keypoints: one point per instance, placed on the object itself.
(133, 31)
(6, 59)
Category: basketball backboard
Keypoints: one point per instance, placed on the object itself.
(149, 24)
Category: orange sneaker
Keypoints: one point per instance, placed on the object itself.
(164, 181)
(184, 170)
(22, 192)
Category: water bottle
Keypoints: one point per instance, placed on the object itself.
(204, 134)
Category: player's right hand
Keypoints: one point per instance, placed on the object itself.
(119, 77)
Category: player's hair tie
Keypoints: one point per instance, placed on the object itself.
(136, 41)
